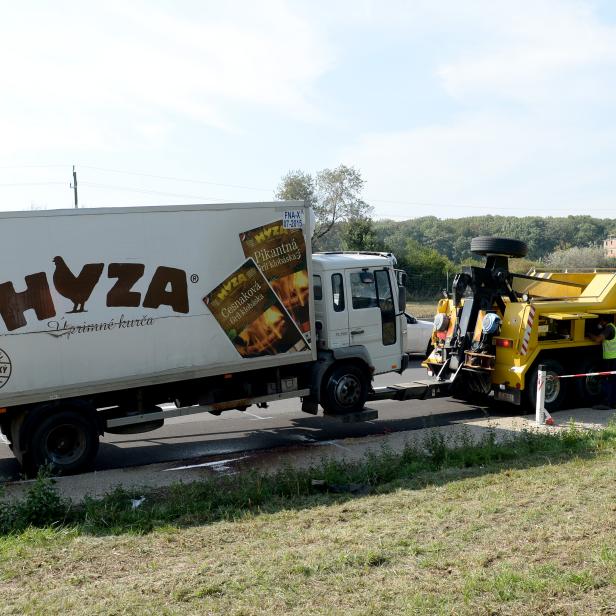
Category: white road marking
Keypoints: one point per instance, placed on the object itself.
(217, 465)
(256, 416)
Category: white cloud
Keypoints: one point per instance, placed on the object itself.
(94, 70)
(531, 133)
(536, 51)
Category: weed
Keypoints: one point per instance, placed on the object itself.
(41, 506)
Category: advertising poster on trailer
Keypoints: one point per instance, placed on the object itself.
(280, 253)
(252, 316)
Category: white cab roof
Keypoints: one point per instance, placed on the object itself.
(343, 260)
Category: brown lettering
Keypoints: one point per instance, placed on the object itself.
(127, 275)
(76, 288)
(176, 297)
(36, 297)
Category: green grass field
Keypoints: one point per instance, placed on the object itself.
(528, 527)
(422, 310)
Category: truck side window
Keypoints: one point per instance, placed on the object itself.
(318, 288)
(338, 292)
(363, 292)
(386, 304)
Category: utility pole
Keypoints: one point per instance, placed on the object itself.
(74, 186)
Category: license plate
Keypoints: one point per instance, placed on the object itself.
(504, 396)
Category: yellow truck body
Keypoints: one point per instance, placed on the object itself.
(545, 317)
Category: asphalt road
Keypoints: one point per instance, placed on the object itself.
(281, 425)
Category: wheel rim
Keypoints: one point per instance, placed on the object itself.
(65, 444)
(348, 390)
(552, 386)
(593, 386)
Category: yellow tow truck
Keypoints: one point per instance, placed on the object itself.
(495, 328)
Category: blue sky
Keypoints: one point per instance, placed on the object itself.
(447, 108)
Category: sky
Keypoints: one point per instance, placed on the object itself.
(446, 108)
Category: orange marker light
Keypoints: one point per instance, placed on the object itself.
(506, 343)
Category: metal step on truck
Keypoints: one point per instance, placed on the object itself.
(107, 314)
(496, 327)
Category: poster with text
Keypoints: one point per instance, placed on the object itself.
(252, 316)
(281, 255)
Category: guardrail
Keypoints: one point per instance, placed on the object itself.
(541, 414)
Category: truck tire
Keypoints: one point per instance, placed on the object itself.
(555, 390)
(345, 390)
(65, 440)
(498, 246)
(589, 390)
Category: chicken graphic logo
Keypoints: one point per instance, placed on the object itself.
(76, 288)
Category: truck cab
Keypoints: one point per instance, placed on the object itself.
(359, 301)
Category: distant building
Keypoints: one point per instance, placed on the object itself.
(609, 245)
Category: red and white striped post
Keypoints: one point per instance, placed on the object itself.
(541, 414)
(540, 404)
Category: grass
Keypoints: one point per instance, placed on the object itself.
(422, 310)
(523, 527)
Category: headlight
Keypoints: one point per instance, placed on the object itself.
(441, 322)
(491, 323)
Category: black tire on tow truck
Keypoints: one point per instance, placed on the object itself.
(556, 390)
(589, 390)
(65, 439)
(345, 390)
(486, 245)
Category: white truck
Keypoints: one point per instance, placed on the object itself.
(105, 314)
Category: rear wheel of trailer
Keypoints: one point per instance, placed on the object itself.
(63, 439)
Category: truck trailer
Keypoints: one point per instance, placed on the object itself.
(107, 314)
(495, 327)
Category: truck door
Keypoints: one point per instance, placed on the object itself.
(372, 317)
(335, 301)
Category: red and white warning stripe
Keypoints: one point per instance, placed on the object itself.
(555, 377)
(528, 330)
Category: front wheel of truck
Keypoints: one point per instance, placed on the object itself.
(556, 390)
(345, 390)
(64, 440)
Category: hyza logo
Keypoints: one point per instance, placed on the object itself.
(5, 368)
(167, 286)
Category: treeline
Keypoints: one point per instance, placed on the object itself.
(451, 237)
(432, 250)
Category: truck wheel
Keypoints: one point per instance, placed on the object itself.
(589, 390)
(498, 246)
(345, 391)
(555, 390)
(65, 440)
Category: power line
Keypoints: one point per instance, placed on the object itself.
(31, 183)
(476, 207)
(152, 192)
(31, 166)
(175, 179)
(484, 208)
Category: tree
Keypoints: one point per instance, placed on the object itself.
(428, 271)
(359, 235)
(585, 257)
(334, 194)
